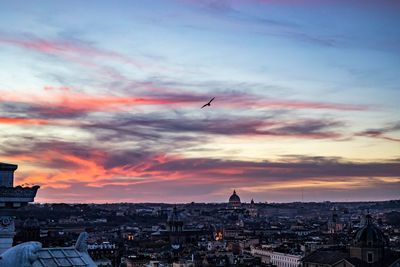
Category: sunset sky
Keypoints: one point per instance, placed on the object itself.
(100, 100)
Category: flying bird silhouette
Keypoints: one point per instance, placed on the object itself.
(209, 103)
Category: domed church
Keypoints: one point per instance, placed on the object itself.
(368, 249)
(369, 243)
(234, 200)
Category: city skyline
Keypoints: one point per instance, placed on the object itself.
(101, 102)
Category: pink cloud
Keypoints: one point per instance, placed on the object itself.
(62, 167)
(77, 52)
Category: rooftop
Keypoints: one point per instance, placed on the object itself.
(66, 257)
(7, 167)
(322, 256)
(18, 194)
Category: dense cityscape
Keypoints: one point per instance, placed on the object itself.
(220, 234)
(234, 233)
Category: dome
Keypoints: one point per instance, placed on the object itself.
(234, 200)
(31, 223)
(369, 235)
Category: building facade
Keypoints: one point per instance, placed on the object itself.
(277, 258)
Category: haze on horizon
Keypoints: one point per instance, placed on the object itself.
(100, 101)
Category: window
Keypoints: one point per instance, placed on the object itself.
(370, 257)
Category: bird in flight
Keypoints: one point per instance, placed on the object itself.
(209, 103)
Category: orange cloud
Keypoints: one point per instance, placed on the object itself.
(64, 167)
(23, 121)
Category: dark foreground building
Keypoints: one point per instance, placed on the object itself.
(368, 249)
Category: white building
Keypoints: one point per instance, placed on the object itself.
(277, 258)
